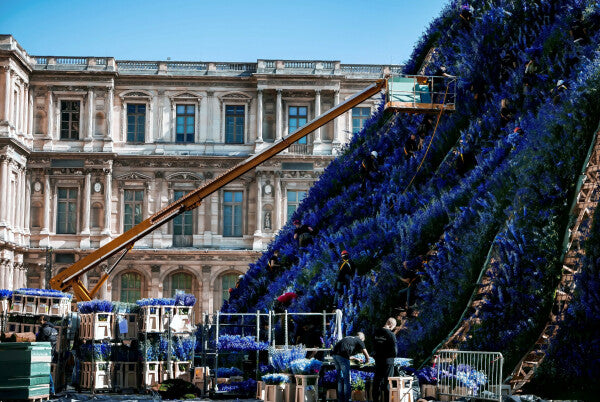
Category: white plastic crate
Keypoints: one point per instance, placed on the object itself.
(59, 306)
(96, 326)
(151, 319)
(131, 326)
(150, 373)
(43, 305)
(18, 302)
(273, 393)
(184, 314)
(181, 370)
(28, 328)
(30, 305)
(96, 375)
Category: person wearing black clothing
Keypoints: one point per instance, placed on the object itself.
(302, 233)
(274, 264)
(341, 353)
(384, 350)
(345, 273)
(411, 146)
(368, 169)
(48, 333)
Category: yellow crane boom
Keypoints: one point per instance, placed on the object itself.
(69, 278)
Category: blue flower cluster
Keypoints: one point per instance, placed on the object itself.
(156, 348)
(275, 379)
(242, 387)
(240, 343)
(464, 375)
(5, 294)
(178, 300)
(224, 372)
(306, 366)
(95, 306)
(362, 359)
(426, 374)
(486, 201)
(98, 352)
(281, 359)
(42, 292)
(330, 377)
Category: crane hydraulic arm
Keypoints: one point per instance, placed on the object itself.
(69, 278)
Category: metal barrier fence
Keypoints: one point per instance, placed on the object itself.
(469, 374)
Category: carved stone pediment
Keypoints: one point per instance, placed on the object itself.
(184, 176)
(236, 96)
(186, 95)
(134, 176)
(135, 94)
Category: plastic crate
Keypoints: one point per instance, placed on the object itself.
(28, 327)
(181, 370)
(4, 308)
(131, 326)
(59, 306)
(125, 375)
(96, 375)
(43, 305)
(30, 304)
(97, 326)
(151, 319)
(26, 381)
(17, 304)
(150, 373)
(13, 327)
(273, 393)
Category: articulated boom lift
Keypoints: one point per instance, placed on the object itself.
(69, 278)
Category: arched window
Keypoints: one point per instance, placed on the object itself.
(97, 218)
(228, 281)
(179, 281)
(131, 287)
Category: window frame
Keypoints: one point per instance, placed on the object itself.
(289, 106)
(171, 287)
(146, 110)
(233, 203)
(75, 202)
(60, 122)
(225, 290)
(125, 202)
(243, 125)
(185, 104)
(130, 289)
(297, 203)
(361, 118)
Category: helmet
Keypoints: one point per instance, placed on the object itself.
(374, 153)
(296, 222)
(240, 276)
(345, 253)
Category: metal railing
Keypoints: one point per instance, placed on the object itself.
(470, 374)
(421, 91)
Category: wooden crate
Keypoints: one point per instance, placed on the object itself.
(125, 375)
(273, 393)
(400, 389)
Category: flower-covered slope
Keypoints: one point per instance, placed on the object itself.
(483, 189)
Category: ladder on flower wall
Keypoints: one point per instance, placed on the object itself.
(583, 209)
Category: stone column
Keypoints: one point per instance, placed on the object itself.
(4, 185)
(47, 202)
(259, 117)
(123, 121)
(258, 205)
(2, 271)
(336, 124)
(31, 111)
(50, 114)
(277, 205)
(14, 275)
(317, 112)
(22, 199)
(109, 113)
(27, 203)
(278, 117)
(203, 113)
(210, 112)
(107, 201)
(17, 198)
(87, 189)
(90, 114)
(150, 137)
(7, 89)
(173, 117)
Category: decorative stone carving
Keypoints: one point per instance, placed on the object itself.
(267, 220)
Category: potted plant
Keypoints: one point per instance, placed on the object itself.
(358, 389)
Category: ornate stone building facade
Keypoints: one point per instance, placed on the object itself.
(90, 146)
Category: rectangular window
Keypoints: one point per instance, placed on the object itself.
(359, 116)
(69, 120)
(294, 198)
(234, 124)
(66, 213)
(186, 115)
(136, 122)
(183, 228)
(297, 117)
(232, 213)
(134, 200)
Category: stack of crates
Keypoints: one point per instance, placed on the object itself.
(27, 370)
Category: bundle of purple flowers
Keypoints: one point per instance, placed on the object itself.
(95, 306)
(276, 379)
(306, 366)
(5, 294)
(42, 292)
(179, 300)
(224, 372)
(240, 343)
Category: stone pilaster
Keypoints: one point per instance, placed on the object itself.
(336, 123)
(87, 193)
(278, 117)
(7, 92)
(4, 186)
(259, 117)
(317, 113)
(107, 201)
